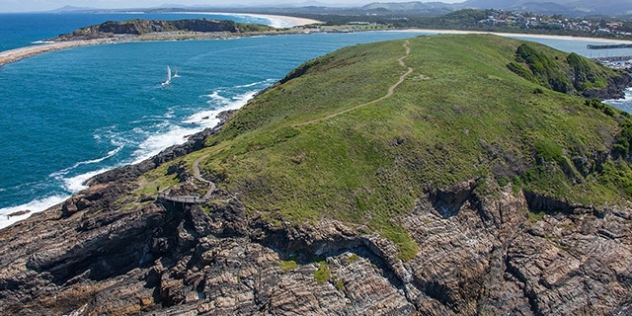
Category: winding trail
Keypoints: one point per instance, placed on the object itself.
(388, 94)
(189, 199)
(198, 176)
(211, 186)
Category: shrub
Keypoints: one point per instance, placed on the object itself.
(322, 274)
(288, 265)
(547, 150)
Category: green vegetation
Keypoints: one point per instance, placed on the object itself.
(587, 76)
(164, 30)
(288, 265)
(323, 273)
(546, 72)
(552, 71)
(547, 150)
(340, 285)
(394, 15)
(472, 118)
(535, 216)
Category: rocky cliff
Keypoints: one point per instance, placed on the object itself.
(532, 221)
(486, 256)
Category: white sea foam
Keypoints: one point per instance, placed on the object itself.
(42, 42)
(208, 118)
(33, 206)
(157, 142)
(628, 94)
(266, 82)
(73, 184)
(216, 98)
(170, 114)
(176, 134)
(152, 145)
(76, 183)
(626, 99)
(87, 162)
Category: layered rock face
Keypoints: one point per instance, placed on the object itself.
(477, 255)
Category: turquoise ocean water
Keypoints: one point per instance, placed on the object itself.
(68, 115)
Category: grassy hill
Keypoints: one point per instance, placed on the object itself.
(462, 114)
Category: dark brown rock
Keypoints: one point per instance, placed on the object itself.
(477, 255)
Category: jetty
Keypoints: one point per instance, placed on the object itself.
(609, 46)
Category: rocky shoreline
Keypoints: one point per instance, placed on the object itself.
(111, 250)
(94, 254)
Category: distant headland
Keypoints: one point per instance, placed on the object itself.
(151, 30)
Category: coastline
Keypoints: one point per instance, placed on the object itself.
(20, 53)
(556, 37)
(276, 21)
(13, 55)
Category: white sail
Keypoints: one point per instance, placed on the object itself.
(168, 76)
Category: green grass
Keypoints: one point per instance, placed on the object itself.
(340, 285)
(470, 118)
(323, 273)
(288, 265)
(535, 216)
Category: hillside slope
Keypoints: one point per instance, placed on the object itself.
(438, 175)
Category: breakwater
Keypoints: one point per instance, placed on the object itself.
(609, 46)
(613, 58)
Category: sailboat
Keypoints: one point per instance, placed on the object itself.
(168, 81)
(175, 75)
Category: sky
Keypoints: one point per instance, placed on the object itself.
(47, 5)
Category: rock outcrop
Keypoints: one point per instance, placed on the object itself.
(478, 255)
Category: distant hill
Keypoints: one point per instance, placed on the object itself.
(401, 6)
(565, 7)
(69, 8)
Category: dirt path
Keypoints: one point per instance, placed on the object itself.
(198, 176)
(388, 95)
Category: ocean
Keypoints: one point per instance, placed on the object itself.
(68, 115)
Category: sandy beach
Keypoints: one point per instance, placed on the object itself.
(277, 21)
(9, 56)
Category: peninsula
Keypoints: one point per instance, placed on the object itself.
(148, 30)
(440, 175)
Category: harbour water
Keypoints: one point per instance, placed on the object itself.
(68, 115)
